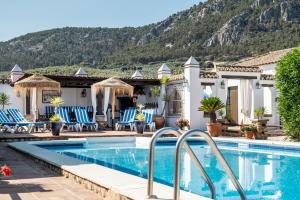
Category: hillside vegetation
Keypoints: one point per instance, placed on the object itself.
(214, 30)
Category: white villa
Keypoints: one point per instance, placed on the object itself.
(243, 86)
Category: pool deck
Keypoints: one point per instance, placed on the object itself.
(31, 181)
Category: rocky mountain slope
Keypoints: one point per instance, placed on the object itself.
(214, 30)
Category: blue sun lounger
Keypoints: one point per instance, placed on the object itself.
(128, 119)
(149, 115)
(83, 120)
(19, 118)
(65, 117)
(12, 126)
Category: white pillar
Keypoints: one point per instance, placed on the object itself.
(163, 71)
(257, 96)
(193, 93)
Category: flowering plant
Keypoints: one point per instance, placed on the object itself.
(5, 170)
(181, 123)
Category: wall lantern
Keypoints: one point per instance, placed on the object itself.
(258, 85)
(83, 93)
(222, 84)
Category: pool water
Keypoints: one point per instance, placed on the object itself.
(264, 173)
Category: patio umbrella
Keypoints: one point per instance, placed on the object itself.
(36, 82)
(116, 86)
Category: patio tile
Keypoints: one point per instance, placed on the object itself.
(31, 181)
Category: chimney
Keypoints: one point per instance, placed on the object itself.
(137, 75)
(16, 73)
(81, 73)
(164, 71)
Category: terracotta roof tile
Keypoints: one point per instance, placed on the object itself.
(267, 77)
(209, 75)
(238, 69)
(264, 59)
(177, 77)
(5, 81)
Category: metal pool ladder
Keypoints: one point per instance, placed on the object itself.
(182, 142)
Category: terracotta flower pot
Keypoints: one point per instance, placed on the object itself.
(159, 122)
(214, 129)
(249, 134)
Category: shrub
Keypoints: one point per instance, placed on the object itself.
(259, 112)
(249, 128)
(288, 84)
(211, 105)
(4, 100)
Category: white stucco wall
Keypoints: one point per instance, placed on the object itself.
(193, 93)
(15, 102)
(268, 69)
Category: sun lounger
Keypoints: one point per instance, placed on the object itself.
(19, 118)
(11, 126)
(128, 119)
(149, 115)
(64, 115)
(83, 120)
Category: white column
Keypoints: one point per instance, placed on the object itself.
(193, 93)
(257, 97)
(163, 71)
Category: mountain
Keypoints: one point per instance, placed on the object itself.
(214, 30)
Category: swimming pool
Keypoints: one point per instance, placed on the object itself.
(264, 171)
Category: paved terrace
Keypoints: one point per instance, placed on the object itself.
(32, 181)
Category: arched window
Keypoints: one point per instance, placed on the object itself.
(175, 104)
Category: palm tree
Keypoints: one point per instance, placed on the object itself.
(211, 105)
(4, 99)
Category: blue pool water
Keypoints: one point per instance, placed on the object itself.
(264, 172)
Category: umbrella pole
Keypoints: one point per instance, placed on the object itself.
(36, 105)
(113, 107)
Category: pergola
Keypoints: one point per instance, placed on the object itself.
(115, 86)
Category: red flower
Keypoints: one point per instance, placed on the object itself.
(5, 170)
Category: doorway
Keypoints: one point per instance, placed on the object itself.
(232, 104)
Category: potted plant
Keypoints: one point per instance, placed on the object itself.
(182, 123)
(159, 119)
(4, 99)
(56, 124)
(259, 112)
(139, 123)
(249, 131)
(55, 120)
(211, 105)
(260, 122)
(140, 118)
(222, 120)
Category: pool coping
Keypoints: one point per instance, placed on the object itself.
(106, 177)
(113, 184)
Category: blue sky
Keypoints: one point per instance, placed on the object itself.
(19, 17)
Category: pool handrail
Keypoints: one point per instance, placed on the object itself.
(173, 131)
(182, 140)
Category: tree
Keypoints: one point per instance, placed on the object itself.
(288, 84)
(4, 99)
